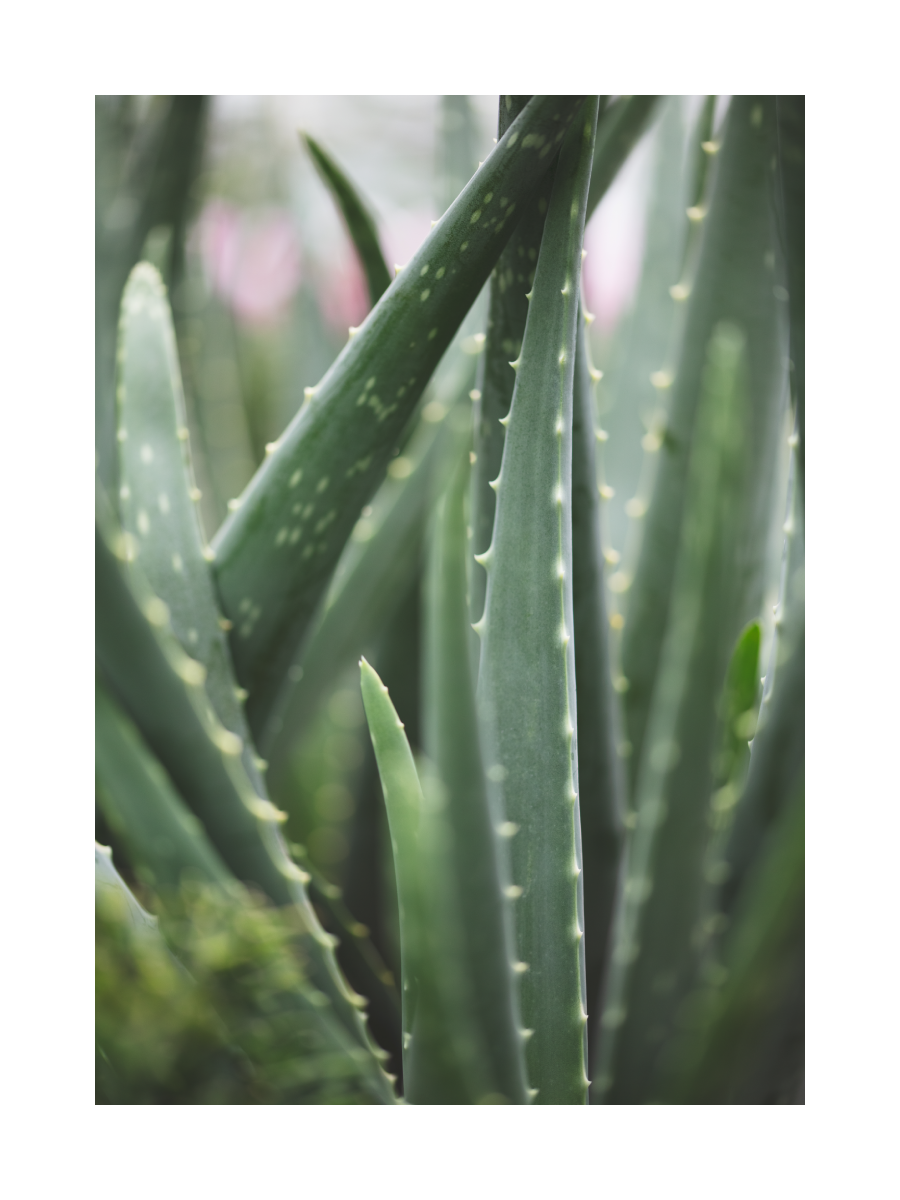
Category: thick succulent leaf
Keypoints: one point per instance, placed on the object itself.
(527, 673)
(360, 224)
(488, 1033)
(163, 838)
(144, 182)
(742, 1040)
(162, 690)
(791, 115)
(657, 947)
(736, 281)
(601, 782)
(276, 553)
(378, 564)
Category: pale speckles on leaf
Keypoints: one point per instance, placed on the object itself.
(295, 535)
(281, 536)
(143, 523)
(359, 466)
(439, 274)
(432, 334)
(146, 453)
(400, 468)
(424, 270)
(322, 485)
(163, 502)
(177, 564)
(424, 295)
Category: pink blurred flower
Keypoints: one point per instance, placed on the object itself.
(402, 233)
(251, 261)
(341, 284)
(342, 290)
(614, 240)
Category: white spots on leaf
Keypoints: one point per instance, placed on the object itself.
(439, 274)
(177, 564)
(146, 453)
(294, 537)
(163, 502)
(508, 829)
(424, 295)
(322, 485)
(143, 523)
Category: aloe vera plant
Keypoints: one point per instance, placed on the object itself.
(349, 851)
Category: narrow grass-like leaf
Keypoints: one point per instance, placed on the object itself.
(275, 554)
(527, 674)
(736, 281)
(162, 836)
(360, 224)
(601, 784)
(490, 1041)
(656, 950)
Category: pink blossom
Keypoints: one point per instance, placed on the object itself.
(252, 260)
(614, 240)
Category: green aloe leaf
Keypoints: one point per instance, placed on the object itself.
(162, 690)
(736, 281)
(163, 838)
(657, 948)
(742, 1037)
(276, 553)
(776, 762)
(619, 127)
(527, 674)
(490, 1040)
(601, 782)
(142, 182)
(213, 1004)
(511, 281)
(378, 563)
(791, 115)
(360, 224)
